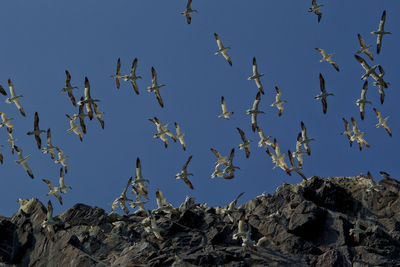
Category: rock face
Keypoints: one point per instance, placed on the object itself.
(307, 224)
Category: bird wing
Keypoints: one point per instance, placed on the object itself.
(133, 68)
(67, 79)
(48, 184)
(303, 131)
(242, 135)
(382, 21)
(298, 143)
(219, 42)
(216, 153)
(36, 121)
(138, 169)
(71, 96)
(11, 86)
(364, 90)
(2, 91)
(187, 162)
(159, 99)
(378, 114)
(363, 63)
(257, 101)
(362, 43)
(334, 64)
(291, 158)
(87, 88)
(223, 105)
(49, 210)
(19, 106)
(153, 77)
(322, 51)
(188, 4)
(322, 83)
(38, 141)
(324, 105)
(118, 72)
(135, 87)
(227, 57)
(278, 94)
(355, 128)
(255, 71)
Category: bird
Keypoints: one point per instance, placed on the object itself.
(36, 131)
(299, 153)
(294, 167)
(162, 203)
(264, 140)
(225, 112)
(230, 168)
(277, 163)
(14, 98)
(49, 222)
(81, 115)
(280, 158)
(98, 114)
(2, 91)
(256, 76)
(315, 8)
(356, 231)
(11, 140)
(188, 12)
(180, 135)
(278, 101)
(305, 140)
(117, 74)
(382, 122)
(364, 48)
(162, 131)
(122, 199)
(74, 127)
(380, 32)
(246, 142)
(347, 131)
(6, 121)
(221, 160)
(381, 84)
(139, 181)
(369, 71)
(155, 87)
(254, 111)
(132, 76)
(328, 58)
(53, 191)
(50, 148)
(88, 101)
(184, 174)
(363, 100)
(139, 202)
(62, 187)
(222, 49)
(358, 135)
(22, 161)
(62, 159)
(69, 88)
(323, 95)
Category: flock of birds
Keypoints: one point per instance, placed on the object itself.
(224, 167)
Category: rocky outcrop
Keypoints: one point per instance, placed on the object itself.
(307, 224)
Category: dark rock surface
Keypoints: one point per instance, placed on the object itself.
(307, 224)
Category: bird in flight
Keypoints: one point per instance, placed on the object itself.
(256, 76)
(69, 88)
(36, 131)
(14, 98)
(364, 48)
(225, 112)
(323, 95)
(363, 100)
(327, 58)
(184, 174)
(315, 8)
(254, 111)
(222, 49)
(188, 12)
(347, 131)
(382, 122)
(278, 101)
(50, 148)
(132, 76)
(370, 71)
(155, 87)
(246, 143)
(380, 32)
(22, 161)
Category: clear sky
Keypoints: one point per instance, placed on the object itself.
(41, 39)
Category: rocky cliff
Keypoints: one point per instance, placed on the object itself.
(341, 221)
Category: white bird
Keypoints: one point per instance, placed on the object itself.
(256, 76)
(132, 76)
(118, 74)
(382, 122)
(381, 84)
(53, 191)
(380, 32)
(305, 140)
(370, 71)
(62, 159)
(222, 49)
(6, 121)
(14, 98)
(280, 158)
(323, 95)
(74, 127)
(230, 168)
(50, 148)
(299, 153)
(347, 131)
(139, 181)
(69, 88)
(184, 174)
(264, 141)
(63, 188)
(154, 228)
(49, 222)
(155, 87)
(221, 160)
(162, 130)
(188, 11)
(278, 101)
(225, 112)
(294, 167)
(364, 48)
(22, 161)
(180, 135)
(254, 111)
(358, 135)
(122, 199)
(327, 58)
(138, 203)
(81, 115)
(11, 140)
(98, 114)
(162, 203)
(315, 8)
(363, 100)
(246, 143)
(36, 131)
(88, 101)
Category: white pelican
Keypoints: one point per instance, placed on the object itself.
(14, 98)
(122, 199)
(347, 131)
(364, 48)
(36, 131)
(328, 58)
(184, 174)
(6, 121)
(246, 142)
(50, 148)
(254, 111)
(323, 95)
(363, 100)
(305, 140)
(69, 88)
(380, 32)
(225, 112)
(315, 9)
(22, 161)
(180, 135)
(222, 49)
(155, 87)
(74, 127)
(256, 76)
(382, 122)
(278, 101)
(188, 11)
(132, 76)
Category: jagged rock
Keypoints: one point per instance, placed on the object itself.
(307, 224)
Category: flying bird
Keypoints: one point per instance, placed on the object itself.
(81, 115)
(122, 199)
(36, 131)
(264, 140)
(246, 142)
(278, 101)
(315, 8)
(225, 112)
(139, 182)
(184, 174)
(363, 100)
(370, 71)
(280, 158)
(180, 135)
(155, 87)
(63, 188)
(305, 140)
(221, 160)
(22, 161)
(382, 122)
(6, 121)
(50, 148)
(299, 153)
(381, 84)
(294, 167)
(323, 95)
(347, 131)
(62, 159)
(162, 130)
(358, 135)
(132, 76)
(328, 58)
(222, 49)
(254, 111)
(380, 32)
(98, 114)
(49, 222)
(74, 127)
(230, 168)
(14, 98)
(53, 191)
(364, 48)
(117, 74)
(88, 101)
(188, 11)
(11, 140)
(256, 76)
(69, 88)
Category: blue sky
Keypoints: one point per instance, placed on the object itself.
(41, 40)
